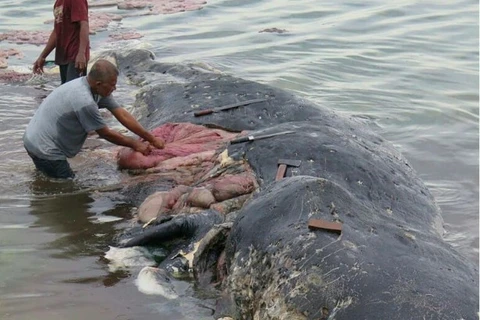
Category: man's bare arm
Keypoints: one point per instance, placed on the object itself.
(81, 60)
(51, 43)
(125, 118)
(121, 140)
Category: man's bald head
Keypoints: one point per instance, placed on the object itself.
(103, 70)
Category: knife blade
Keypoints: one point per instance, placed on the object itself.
(227, 107)
(259, 137)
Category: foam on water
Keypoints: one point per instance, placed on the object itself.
(14, 226)
(23, 296)
(104, 219)
(127, 258)
(154, 281)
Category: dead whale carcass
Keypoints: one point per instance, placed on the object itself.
(389, 261)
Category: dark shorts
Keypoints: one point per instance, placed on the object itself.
(69, 72)
(59, 169)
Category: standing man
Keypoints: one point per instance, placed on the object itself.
(61, 123)
(69, 38)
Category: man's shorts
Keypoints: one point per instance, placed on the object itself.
(69, 72)
(59, 169)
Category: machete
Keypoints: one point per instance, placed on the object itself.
(262, 136)
(229, 106)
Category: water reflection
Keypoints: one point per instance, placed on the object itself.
(67, 208)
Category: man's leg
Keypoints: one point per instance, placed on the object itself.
(69, 72)
(59, 169)
(63, 72)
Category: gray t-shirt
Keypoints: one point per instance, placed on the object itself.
(61, 123)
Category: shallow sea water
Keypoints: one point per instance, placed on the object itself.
(409, 69)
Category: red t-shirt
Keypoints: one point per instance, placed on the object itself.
(68, 14)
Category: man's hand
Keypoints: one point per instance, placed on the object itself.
(125, 118)
(119, 139)
(158, 143)
(143, 147)
(80, 62)
(38, 65)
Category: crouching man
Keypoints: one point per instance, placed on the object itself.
(62, 122)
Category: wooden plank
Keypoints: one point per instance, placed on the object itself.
(282, 168)
(325, 225)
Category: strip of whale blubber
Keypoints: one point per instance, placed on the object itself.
(325, 225)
